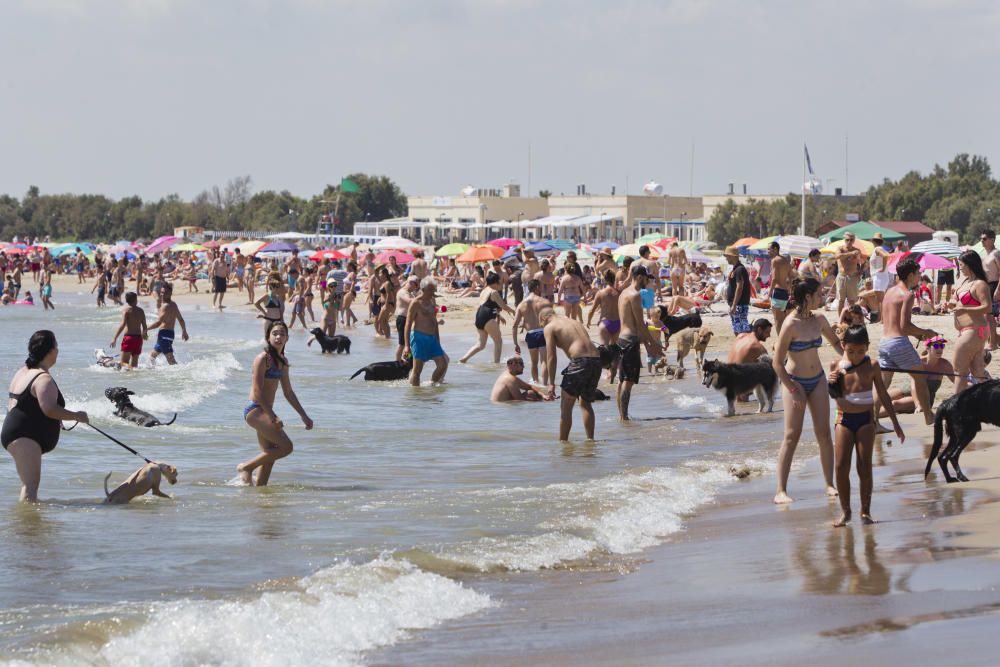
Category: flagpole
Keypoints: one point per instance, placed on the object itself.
(802, 224)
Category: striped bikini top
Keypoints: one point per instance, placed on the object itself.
(802, 345)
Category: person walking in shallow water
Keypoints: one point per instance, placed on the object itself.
(270, 369)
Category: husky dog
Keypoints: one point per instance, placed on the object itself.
(737, 379)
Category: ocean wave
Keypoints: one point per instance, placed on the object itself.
(329, 619)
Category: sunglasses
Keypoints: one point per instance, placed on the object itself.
(937, 346)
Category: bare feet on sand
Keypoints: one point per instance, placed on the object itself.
(782, 498)
(831, 492)
(245, 475)
(844, 519)
(868, 520)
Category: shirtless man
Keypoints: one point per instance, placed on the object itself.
(781, 283)
(678, 267)
(240, 269)
(605, 262)
(218, 271)
(423, 339)
(872, 300)
(580, 377)
(653, 269)
(526, 315)
(117, 286)
(810, 267)
(847, 276)
(405, 294)
(509, 387)
(530, 267)
(547, 280)
(419, 266)
(991, 265)
(633, 332)
(749, 347)
(895, 350)
(134, 326)
(169, 314)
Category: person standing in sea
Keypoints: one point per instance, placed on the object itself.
(423, 338)
(270, 369)
(633, 333)
(169, 317)
(580, 377)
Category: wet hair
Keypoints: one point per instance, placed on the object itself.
(492, 278)
(857, 334)
(609, 277)
(277, 357)
(909, 266)
(39, 345)
(972, 260)
(534, 284)
(131, 298)
(802, 290)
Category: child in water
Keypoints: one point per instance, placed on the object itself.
(851, 380)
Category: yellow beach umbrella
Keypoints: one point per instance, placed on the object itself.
(865, 247)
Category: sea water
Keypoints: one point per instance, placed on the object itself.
(391, 516)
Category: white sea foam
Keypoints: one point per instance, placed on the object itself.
(331, 619)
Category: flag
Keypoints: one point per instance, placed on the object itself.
(347, 185)
(812, 186)
(809, 163)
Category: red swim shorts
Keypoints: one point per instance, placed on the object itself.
(132, 344)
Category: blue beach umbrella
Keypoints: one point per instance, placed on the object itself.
(611, 245)
(561, 244)
(541, 246)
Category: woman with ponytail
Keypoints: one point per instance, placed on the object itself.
(34, 413)
(804, 381)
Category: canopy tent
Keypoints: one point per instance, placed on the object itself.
(863, 230)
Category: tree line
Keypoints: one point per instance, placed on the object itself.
(70, 217)
(963, 197)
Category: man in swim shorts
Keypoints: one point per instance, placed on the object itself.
(849, 270)
(509, 387)
(169, 316)
(526, 315)
(738, 292)
(633, 333)
(218, 270)
(580, 377)
(895, 352)
(422, 334)
(781, 283)
(134, 326)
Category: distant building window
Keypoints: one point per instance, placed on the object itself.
(421, 220)
(467, 220)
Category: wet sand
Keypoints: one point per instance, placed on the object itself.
(750, 583)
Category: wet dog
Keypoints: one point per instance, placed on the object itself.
(145, 479)
(383, 371)
(696, 340)
(962, 416)
(124, 408)
(737, 379)
(330, 344)
(675, 323)
(104, 359)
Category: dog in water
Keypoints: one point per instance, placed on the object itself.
(737, 379)
(962, 416)
(330, 344)
(124, 408)
(383, 371)
(693, 340)
(104, 360)
(145, 479)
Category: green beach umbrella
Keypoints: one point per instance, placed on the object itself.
(865, 231)
(451, 250)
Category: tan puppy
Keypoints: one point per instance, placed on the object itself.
(693, 339)
(145, 479)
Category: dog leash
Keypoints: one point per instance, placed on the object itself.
(111, 438)
(954, 375)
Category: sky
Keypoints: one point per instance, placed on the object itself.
(153, 97)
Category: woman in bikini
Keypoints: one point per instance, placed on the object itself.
(272, 305)
(798, 343)
(488, 320)
(571, 291)
(850, 382)
(350, 291)
(270, 369)
(307, 296)
(971, 311)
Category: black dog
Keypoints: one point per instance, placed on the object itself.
(330, 344)
(124, 408)
(381, 371)
(738, 379)
(964, 414)
(675, 323)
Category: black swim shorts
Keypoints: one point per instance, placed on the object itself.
(581, 376)
(218, 284)
(631, 362)
(400, 328)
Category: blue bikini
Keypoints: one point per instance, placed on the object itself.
(807, 384)
(270, 373)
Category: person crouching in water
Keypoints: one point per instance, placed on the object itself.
(851, 380)
(270, 369)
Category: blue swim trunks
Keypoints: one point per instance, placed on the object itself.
(535, 339)
(897, 353)
(424, 347)
(739, 319)
(165, 341)
(648, 297)
(779, 299)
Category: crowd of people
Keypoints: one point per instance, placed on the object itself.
(628, 297)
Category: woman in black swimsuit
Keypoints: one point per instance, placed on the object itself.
(36, 408)
(488, 320)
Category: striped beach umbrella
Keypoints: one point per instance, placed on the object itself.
(939, 248)
(561, 244)
(798, 246)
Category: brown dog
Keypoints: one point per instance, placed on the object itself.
(698, 340)
(145, 479)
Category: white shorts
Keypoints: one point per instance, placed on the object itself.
(881, 280)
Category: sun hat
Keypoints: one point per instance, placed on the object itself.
(731, 252)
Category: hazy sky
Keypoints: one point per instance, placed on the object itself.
(151, 97)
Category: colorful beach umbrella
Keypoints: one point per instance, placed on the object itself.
(632, 250)
(213, 244)
(451, 250)
(161, 244)
(561, 244)
(277, 246)
(188, 247)
(505, 243)
(665, 242)
(481, 253)
(939, 248)
(865, 247)
(653, 237)
(604, 244)
(329, 253)
(865, 231)
(250, 247)
(926, 260)
(401, 257)
(540, 247)
(395, 243)
(746, 241)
